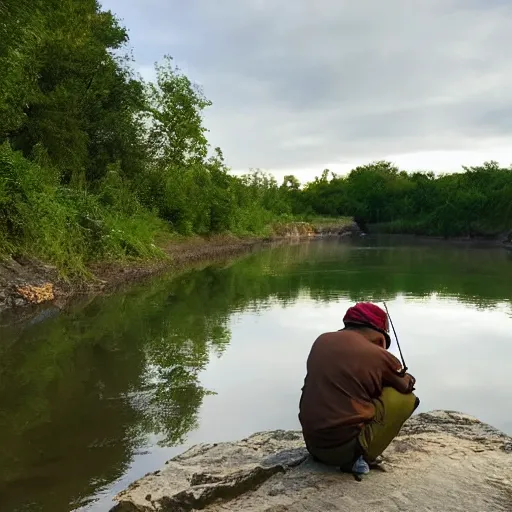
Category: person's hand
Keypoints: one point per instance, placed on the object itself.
(412, 381)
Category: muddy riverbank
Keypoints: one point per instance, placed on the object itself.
(26, 282)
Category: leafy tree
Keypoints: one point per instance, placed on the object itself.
(177, 135)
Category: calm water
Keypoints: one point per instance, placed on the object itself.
(95, 398)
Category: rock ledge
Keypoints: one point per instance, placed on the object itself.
(442, 461)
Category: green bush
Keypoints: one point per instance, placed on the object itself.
(66, 226)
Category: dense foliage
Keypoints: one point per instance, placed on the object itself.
(96, 164)
(477, 201)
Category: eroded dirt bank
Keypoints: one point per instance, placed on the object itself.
(25, 282)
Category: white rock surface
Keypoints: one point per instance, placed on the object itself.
(442, 461)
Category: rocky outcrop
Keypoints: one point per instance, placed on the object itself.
(25, 281)
(342, 229)
(308, 230)
(442, 461)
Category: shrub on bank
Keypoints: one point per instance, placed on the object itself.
(65, 226)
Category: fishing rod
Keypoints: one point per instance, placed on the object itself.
(396, 338)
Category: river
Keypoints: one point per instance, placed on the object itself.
(94, 398)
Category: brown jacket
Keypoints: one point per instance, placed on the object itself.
(345, 372)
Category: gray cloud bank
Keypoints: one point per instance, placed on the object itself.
(299, 84)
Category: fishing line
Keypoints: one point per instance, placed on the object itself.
(396, 338)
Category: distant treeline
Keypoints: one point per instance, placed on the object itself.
(96, 163)
(476, 202)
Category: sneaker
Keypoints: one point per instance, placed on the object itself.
(360, 467)
(376, 462)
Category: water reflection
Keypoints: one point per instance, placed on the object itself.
(85, 394)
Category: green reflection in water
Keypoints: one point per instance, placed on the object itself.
(81, 391)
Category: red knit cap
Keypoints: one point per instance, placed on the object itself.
(369, 315)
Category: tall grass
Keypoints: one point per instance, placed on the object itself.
(69, 227)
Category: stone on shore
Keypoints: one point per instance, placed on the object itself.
(441, 461)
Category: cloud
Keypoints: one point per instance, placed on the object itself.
(303, 85)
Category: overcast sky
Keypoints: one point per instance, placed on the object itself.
(300, 85)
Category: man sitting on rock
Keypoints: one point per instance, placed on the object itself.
(356, 396)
